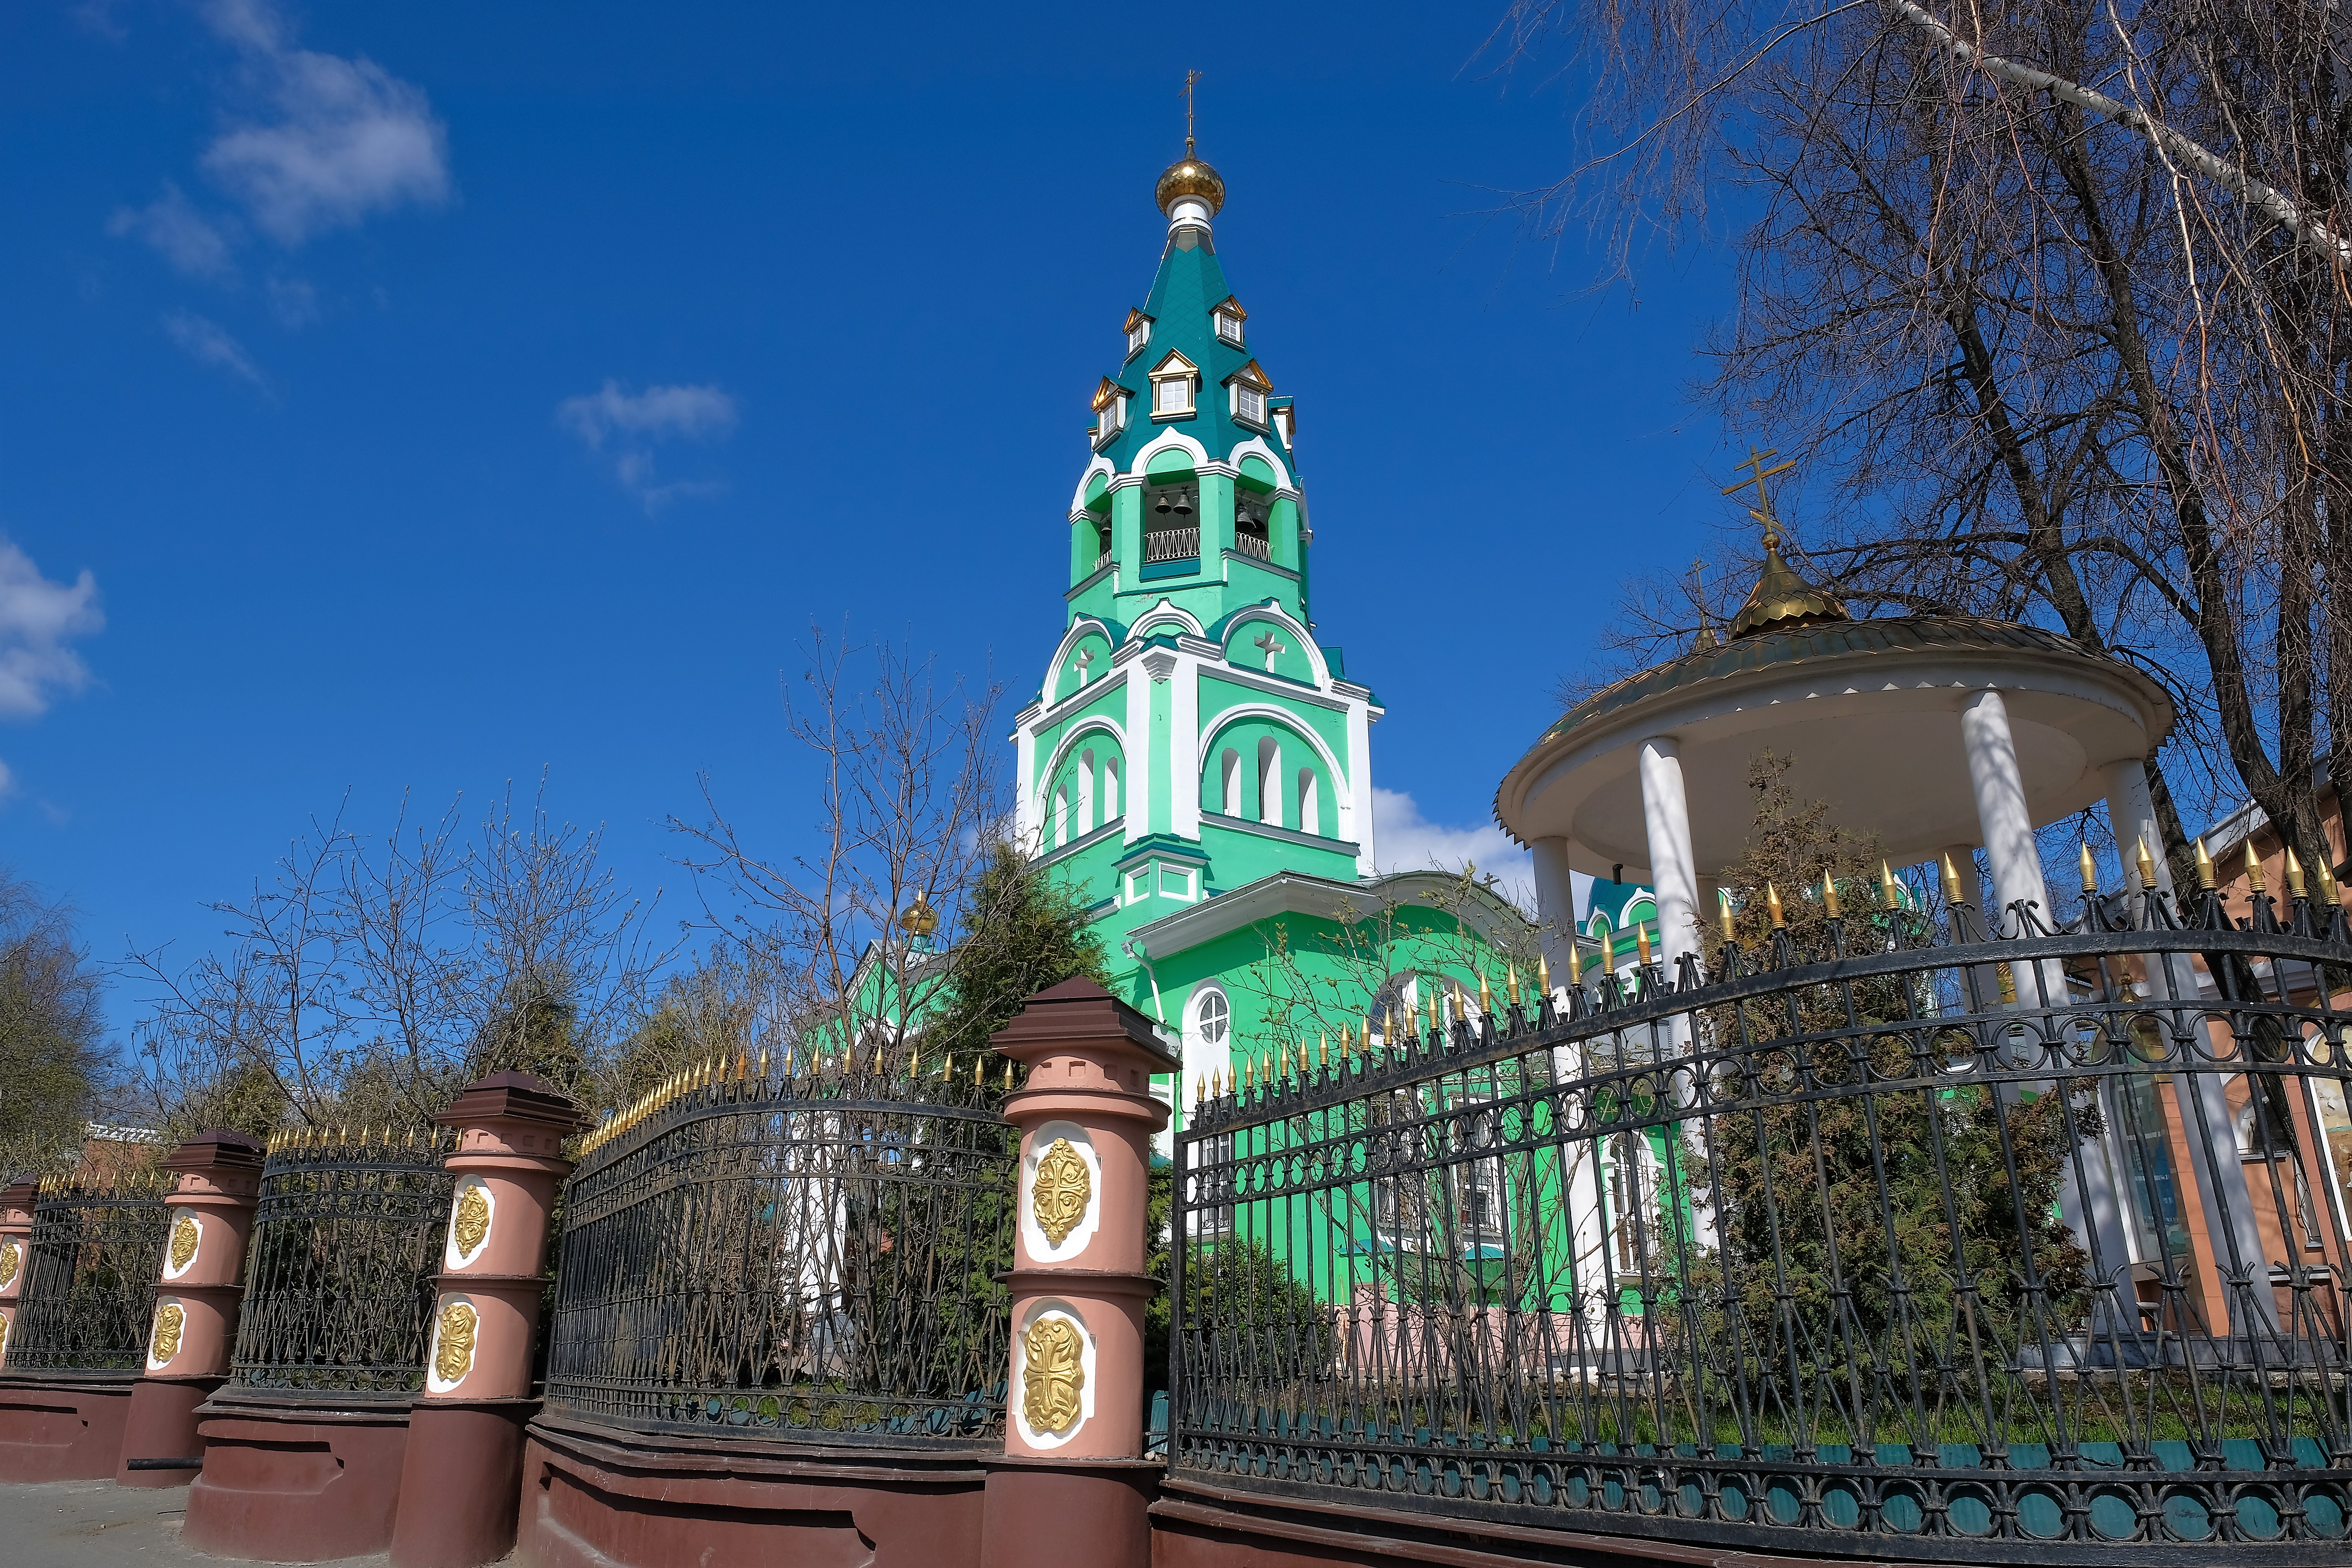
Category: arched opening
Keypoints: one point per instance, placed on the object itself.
(1270, 782)
(1310, 816)
(1087, 791)
(1110, 807)
(1062, 815)
(1231, 782)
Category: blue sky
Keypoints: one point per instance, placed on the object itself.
(422, 396)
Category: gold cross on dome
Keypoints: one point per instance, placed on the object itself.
(1191, 77)
(1762, 511)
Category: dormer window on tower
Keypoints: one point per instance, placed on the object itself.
(1111, 411)
(1230, 316)
(1175, 388)
(1250, 390)
(1138, 332)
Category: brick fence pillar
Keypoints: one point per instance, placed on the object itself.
(461, 1480)
(200, 1285)
(16, 1252)
(1072, 1485)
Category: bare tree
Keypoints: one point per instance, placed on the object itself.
(909, 815)
(367, 979)
(2055, 296)
(53, 1065)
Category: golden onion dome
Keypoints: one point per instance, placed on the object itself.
(1190, 176)
(1783, 601)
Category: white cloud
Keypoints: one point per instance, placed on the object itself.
(627, 425)
(1407, 841)
(346, 138)
(211, 345)
(294, 301)
(194, 244)
(38, 620)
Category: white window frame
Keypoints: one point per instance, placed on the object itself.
(1196, 1015)
(1229, 328)
(1184, 383)
(1111, 418)
(1249, 404)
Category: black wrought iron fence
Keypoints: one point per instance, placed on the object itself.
(95, 1251)
(801, 1258)
(1990, 1251)
(338, 1278)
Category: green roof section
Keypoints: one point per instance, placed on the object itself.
(1185, 293)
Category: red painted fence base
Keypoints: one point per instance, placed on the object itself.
(1082, 1510)
(288, 1482)
(594, 1496)
(459, 1483)
(162, 1425)
(61, 1428)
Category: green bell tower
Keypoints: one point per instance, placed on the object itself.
(1191, 739)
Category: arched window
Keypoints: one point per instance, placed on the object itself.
(1270, 782)
(1062, 815)
(1310, 816)
(1086, 791)
(1110, 807)
(1232, 782)
(1212, 1018)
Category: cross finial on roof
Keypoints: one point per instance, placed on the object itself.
(1762, 511)
(1191, 76)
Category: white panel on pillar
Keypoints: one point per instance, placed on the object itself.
(1674, 869)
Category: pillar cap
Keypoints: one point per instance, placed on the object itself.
(1078, 1013)
(216, 1148)
(20, 1194)
(514, 1096)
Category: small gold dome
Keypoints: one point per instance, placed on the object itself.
(1189, 176)
(1783, 601)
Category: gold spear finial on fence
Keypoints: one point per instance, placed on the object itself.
(1951, 882)
(2146, 869)
(1486, 997)
(1575, 964)
(1642, 943)
(2204, 868)
(1249, 1072)
(1543, 970)
(1772, 906)
(1829, 895)
(2254, 867)
(1724, 918)
(1886, 890)
(1323, 1050)
(1511, 983)
(2090, 870)
(2294, 886)
(2327, 880)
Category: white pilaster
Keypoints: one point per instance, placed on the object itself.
(1137, 781)
(1359, 786)
(1183, 747)
(1024, 795)
(1673, 869)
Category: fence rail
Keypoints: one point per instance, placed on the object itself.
(805, 1258)
(1172, 544)
(1979, 1250)
(339, 1288)
(89, 1290)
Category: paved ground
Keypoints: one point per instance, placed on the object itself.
(97, 1524)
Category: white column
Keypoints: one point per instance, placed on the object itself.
(2000, 810)
(2088, 1200)
(2131, 813)
(2221, 1179)
(1674, 871)
(1555, 903)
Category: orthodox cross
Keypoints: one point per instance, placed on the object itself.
(1762, 511)
(1085, 657)
(1190, 77)
(1270, 645)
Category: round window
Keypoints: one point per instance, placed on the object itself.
(1212, 1018)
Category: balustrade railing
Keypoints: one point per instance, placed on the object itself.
(1172, 544)
(89, 1292)
(801, 1258)
(1254, 544)
(1985, 1251)
(338, 1286)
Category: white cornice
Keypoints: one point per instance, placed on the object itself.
(1069, 705)
(1295, 892)
(1257, 681)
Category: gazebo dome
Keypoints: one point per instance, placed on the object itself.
(1869, 710)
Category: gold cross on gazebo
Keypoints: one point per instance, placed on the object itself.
(1762, 511)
